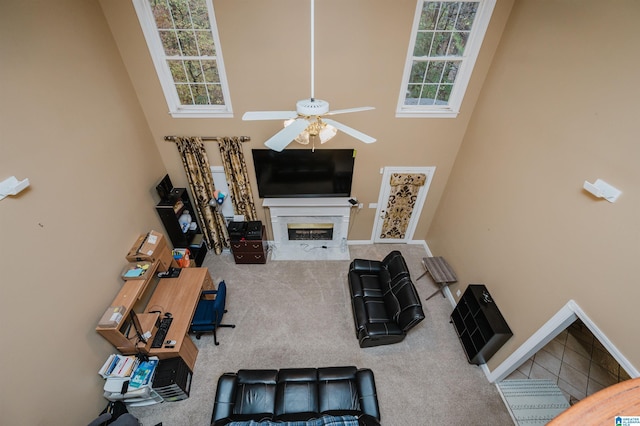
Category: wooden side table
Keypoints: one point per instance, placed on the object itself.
(440, 271)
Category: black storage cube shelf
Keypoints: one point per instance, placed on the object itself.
(479, 324)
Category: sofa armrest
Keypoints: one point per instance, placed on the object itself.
(377, 329)
(359, 313)
(225, 397)
(367, 391)
(367, 420)
(363, 265)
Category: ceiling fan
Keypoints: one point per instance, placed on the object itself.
(307, 122)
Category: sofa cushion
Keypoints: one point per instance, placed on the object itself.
(297, 391)
(346, 420)
(364, 284)
(363, 265)
(255, 392)
(376, 310)
(370, 285)
(395, 266)
(337, 389)
(404, 295)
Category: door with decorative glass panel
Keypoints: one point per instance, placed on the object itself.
(402, 195)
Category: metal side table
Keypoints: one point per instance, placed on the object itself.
(440, 271)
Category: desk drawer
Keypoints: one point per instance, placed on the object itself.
(247, 246)
(250, 257)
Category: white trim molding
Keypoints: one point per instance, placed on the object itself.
(560, 321)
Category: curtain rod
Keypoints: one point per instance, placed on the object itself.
(209, 138)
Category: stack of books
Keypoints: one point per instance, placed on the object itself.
(119, 366)
(143, 374)
(138, 372)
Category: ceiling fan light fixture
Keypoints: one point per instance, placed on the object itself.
(322, 131)
(327, 132)
(307, 120)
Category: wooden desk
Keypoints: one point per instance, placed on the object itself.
(179, 296)
(130, 294)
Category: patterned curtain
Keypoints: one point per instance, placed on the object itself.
(196, 165)
(402, 200)
(235, 169)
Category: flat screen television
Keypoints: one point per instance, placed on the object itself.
(303, 173)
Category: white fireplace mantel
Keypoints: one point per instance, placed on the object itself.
(306, 202)
(283, 211)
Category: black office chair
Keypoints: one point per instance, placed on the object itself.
(209, 312)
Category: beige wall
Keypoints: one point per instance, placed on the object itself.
(71, 123)
(83, 117)
(560, 106)
(360, 52)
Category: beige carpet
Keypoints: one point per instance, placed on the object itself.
(298, 314)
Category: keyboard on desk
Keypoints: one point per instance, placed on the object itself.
(163, 328)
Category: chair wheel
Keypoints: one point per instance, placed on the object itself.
(198, 336)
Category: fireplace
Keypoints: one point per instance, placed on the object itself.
(310, 231)
(309, 228)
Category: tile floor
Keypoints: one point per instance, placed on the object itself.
(577, 361)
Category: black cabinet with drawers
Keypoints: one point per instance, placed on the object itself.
(480, 326)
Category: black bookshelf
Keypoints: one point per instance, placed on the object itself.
(479, 324)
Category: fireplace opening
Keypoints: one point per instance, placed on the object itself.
(310, 231)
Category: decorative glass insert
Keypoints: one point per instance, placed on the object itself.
(440, 46)
(183, 41)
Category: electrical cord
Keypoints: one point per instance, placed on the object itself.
(352, 220)
(307, 248)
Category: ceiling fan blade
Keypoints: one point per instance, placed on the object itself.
(284, 137)
(269, 115)
(351, 132)
(344, 111)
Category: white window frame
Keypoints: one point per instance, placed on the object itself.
(451, 110)
(176, 109)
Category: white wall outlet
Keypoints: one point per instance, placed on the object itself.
(361, 205)
(373, 205)
(458, 293)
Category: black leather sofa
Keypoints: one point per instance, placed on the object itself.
(385, 302)
(316, 396)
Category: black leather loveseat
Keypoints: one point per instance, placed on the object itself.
(318, 396)
(385, 302)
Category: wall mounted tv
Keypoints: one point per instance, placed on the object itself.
(299, 173)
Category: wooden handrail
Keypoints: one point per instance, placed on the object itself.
(602, 407)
